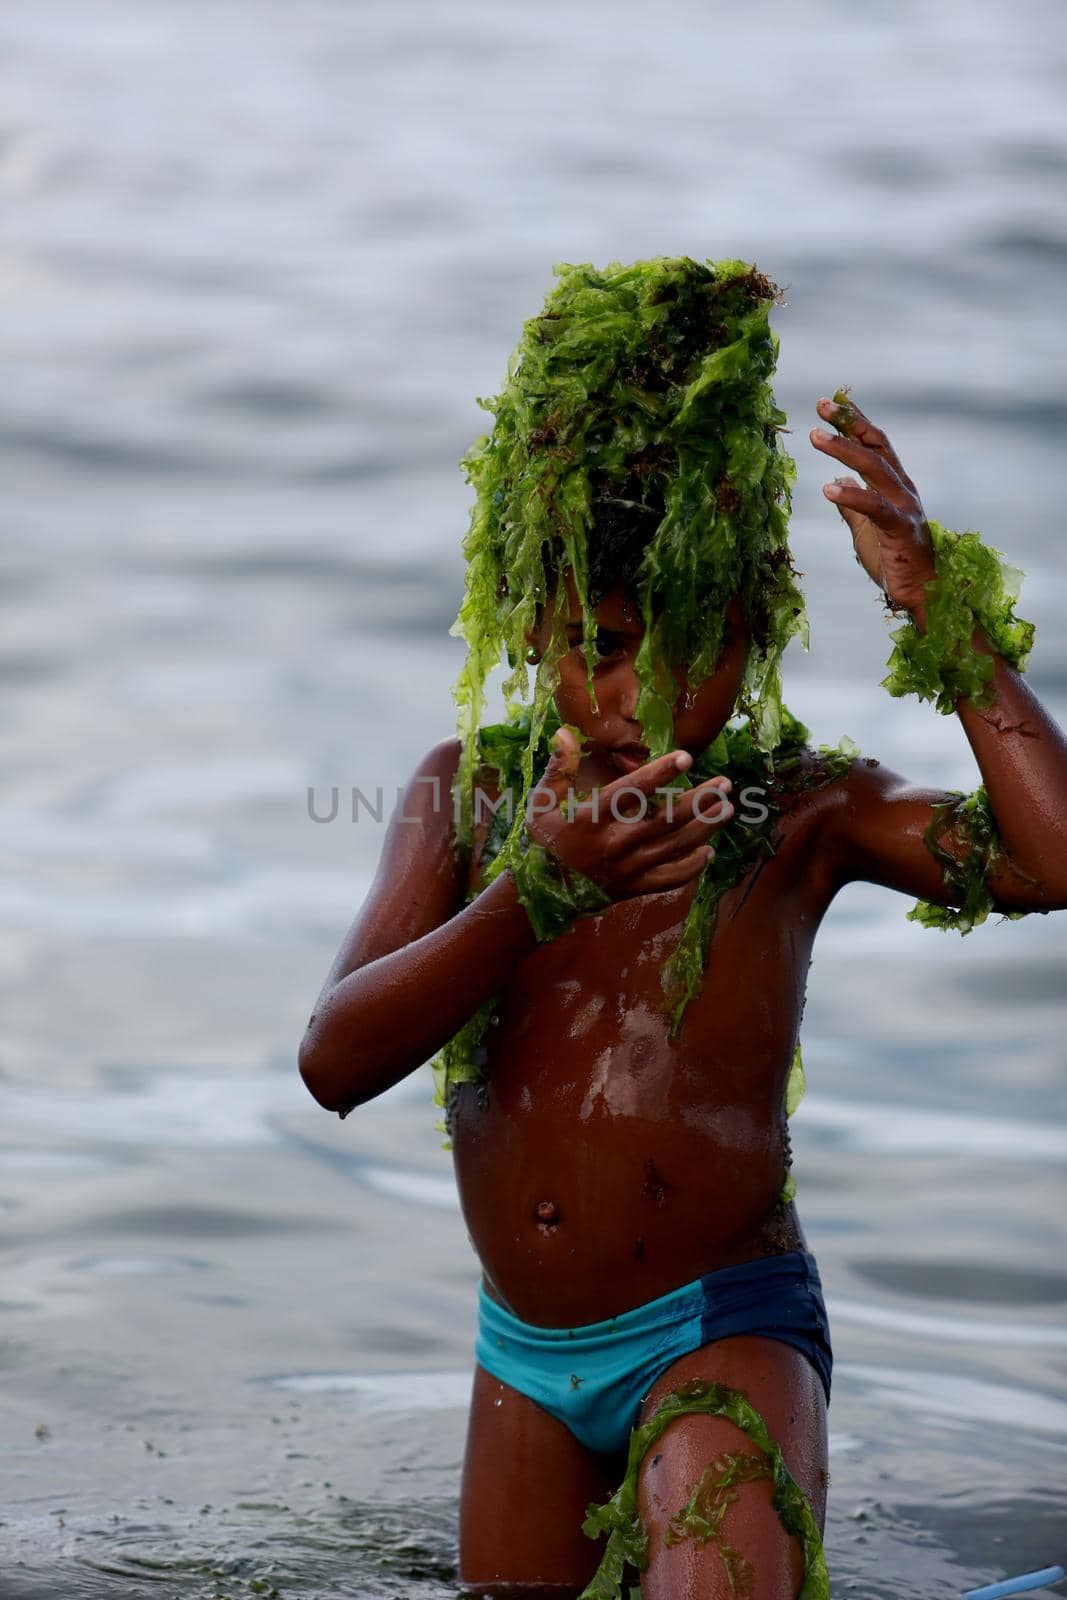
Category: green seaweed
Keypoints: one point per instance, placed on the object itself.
(552, 895)
(845, 419)
(738, 849)
(460, 1060)
(974, 586)
(796, 1083)
(619, 1520)
(658, 374)
(970, 820)
(701, 1518)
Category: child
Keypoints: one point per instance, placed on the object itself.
(606, 942)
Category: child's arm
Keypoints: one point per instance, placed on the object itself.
(410, 972)
(414, 967)
(877, 828)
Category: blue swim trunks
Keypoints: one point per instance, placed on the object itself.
(595, 1377)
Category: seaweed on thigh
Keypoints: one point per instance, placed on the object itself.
(684, 1540)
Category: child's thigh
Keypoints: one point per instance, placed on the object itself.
(526, 1484)
(786, 1391)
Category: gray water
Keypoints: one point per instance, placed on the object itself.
(256, 263)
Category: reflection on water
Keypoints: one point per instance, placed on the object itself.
(255, 278)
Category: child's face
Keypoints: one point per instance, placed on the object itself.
(614, 735)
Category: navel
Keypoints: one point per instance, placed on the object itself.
(546, 1213)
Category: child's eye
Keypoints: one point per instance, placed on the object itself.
(606, 644)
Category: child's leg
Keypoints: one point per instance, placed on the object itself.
(526, 1484)
(767, 1562)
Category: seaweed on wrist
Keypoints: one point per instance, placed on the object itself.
(974, 588)
(552, 895)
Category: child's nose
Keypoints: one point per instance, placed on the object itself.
(629, 690)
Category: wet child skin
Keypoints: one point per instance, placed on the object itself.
(604, 1164)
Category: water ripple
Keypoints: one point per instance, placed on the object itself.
(934, 1395)
(947, 1329)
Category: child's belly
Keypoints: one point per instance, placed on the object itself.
(601, 1164)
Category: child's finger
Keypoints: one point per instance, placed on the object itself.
(866, 543)
(869, 501)
(653, 775)
(679, 842)
(673, 874)
(875, 468)
(702, 799)
(852, 422)
(563, 762)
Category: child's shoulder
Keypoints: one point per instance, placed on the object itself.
(807, 767)
(840, 798)
(441, 761)
(825, 781)
(425, 797)
(793, 768)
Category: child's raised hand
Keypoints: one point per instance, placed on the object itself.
(626, 837)
(886, 519)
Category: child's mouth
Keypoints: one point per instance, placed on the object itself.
(628, 757)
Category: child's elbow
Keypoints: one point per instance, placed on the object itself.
(319, 1079)
(1018, 893)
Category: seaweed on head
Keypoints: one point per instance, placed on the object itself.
(640, 396)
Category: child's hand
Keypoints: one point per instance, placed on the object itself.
(630, 843)
(887, 521)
